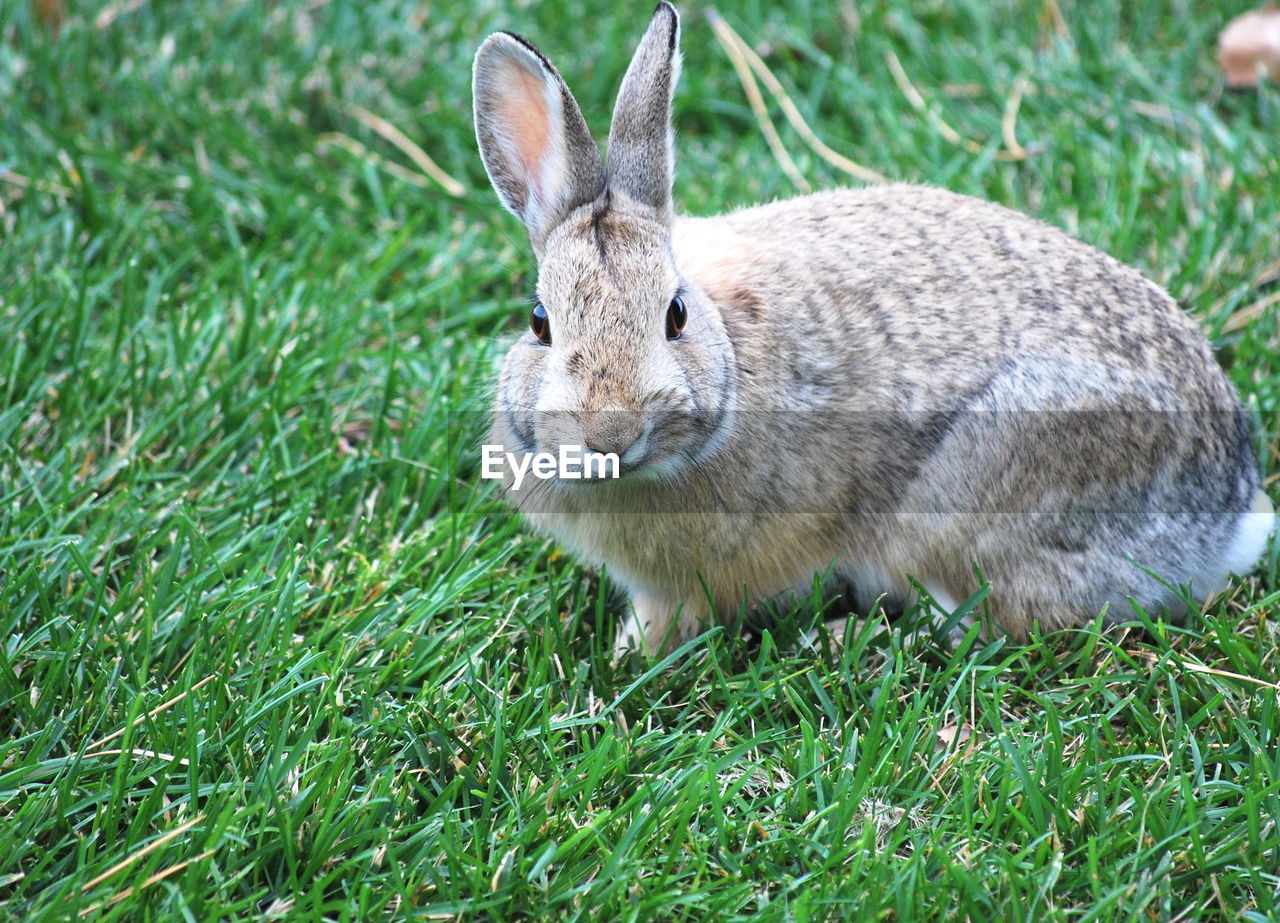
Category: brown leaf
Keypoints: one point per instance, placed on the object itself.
(1249, 47)
(952, 734)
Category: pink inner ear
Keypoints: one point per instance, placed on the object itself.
(524, 109)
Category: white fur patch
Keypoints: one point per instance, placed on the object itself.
(942, 598)
(1251, 539)
(556, 392)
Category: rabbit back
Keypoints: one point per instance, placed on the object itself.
(1009, 396)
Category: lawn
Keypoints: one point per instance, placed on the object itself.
(273, 649)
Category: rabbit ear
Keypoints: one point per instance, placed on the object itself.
(641, 145)
(535, 145)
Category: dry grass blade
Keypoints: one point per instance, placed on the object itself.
(1053, 14)
(792, 114)
(1227, 674)
(1163, 113)
(356, 149)
(940, 124)
(733, 48)
(1195, 667)
(1247, 315)
(97, 744)
(158, 876)
(23, 182)
(836, 159)
(1009, 122)
(381, 126)
(1243, 317)
(114, 11)
(918, 103)
(149, 848)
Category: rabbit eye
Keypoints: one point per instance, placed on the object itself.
(540, 323)
(676, 317)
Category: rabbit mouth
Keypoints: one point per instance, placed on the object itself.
(670, 444)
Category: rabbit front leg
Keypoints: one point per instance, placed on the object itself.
(657, 624)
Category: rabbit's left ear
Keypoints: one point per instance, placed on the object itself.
(641, 155)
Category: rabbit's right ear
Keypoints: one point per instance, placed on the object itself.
(535, 145)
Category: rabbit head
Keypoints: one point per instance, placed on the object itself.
(623, 355)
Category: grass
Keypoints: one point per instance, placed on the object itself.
(272, 650)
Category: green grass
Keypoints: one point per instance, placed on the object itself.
(270, 651)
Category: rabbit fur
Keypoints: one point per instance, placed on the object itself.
(898, 383)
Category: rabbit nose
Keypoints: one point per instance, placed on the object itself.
(612, 431)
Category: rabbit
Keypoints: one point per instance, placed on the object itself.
(901, 386)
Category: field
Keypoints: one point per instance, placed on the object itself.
(273, 650)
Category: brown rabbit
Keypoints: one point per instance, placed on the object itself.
(898, 382)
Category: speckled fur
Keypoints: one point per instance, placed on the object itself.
(897, 380)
